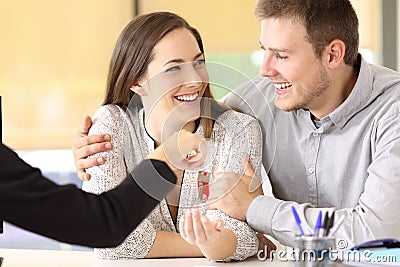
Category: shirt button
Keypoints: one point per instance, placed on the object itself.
(315, 134)
(311, 170)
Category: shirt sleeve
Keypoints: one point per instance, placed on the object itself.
(108, 119)
(374, 216)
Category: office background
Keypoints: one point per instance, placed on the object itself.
(55, 55)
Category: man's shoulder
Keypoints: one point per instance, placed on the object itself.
(385, 81)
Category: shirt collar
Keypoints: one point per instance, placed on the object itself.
(358, 98)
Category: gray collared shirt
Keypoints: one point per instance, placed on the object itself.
(350, 164)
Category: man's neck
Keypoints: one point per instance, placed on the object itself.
(342, 85)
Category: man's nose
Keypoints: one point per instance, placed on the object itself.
(267, 68)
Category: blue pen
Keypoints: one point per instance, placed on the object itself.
(297, 218)
(318, 225)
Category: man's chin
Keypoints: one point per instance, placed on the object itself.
(286, 106)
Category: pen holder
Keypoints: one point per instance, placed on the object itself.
(313, 251)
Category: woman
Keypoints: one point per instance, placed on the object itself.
(157, 85)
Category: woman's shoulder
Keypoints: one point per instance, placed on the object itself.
(235, 123)
(107, 117)
(108, 111)
(236, 119)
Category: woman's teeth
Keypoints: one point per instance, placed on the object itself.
(282, 86)
(187, 97)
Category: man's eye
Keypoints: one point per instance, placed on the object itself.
(198, 63)
(174, 68)
(279, 56)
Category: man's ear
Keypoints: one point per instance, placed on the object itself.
(138, 90)
(335, 52)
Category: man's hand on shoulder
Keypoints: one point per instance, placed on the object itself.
(84, 146)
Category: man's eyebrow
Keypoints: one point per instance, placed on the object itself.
(198, 55)
(274, 49)
(277, 49)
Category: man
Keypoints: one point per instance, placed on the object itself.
(331, 126)
(66, 213)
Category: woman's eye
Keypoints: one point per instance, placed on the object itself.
(174, 68)
(198, 63)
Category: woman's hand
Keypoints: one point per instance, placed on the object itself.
(182, 151)
(200, 230)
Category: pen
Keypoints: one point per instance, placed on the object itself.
(325, 223)
(378, 243)
(330, 223)
(298, 221)
(318, 224)
(339, 223)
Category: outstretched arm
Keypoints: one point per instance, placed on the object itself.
(66, 213)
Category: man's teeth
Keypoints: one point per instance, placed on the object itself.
(282, 86)
(187, 97)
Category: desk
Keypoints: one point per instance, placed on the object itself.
(52, 258)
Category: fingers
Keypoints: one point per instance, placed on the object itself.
(84, 146)
(83, 164)
(199, 230)
(83, 175)
(189, 142)
(222, 185)
(265, 245)
(218, 224)
(254, 183)
(90, 149)
(83, 141)
(89, 162)
(85, 126)
(178, 146)
(191, 229)
(249, 171)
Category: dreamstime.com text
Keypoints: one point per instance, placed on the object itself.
(285, 255)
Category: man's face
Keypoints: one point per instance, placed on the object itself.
(300, 79)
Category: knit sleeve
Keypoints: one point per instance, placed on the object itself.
(241, 140)
(247, 241)
(109, 119)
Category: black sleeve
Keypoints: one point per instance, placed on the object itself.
(66, 213)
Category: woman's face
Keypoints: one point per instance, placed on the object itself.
(175, 80)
